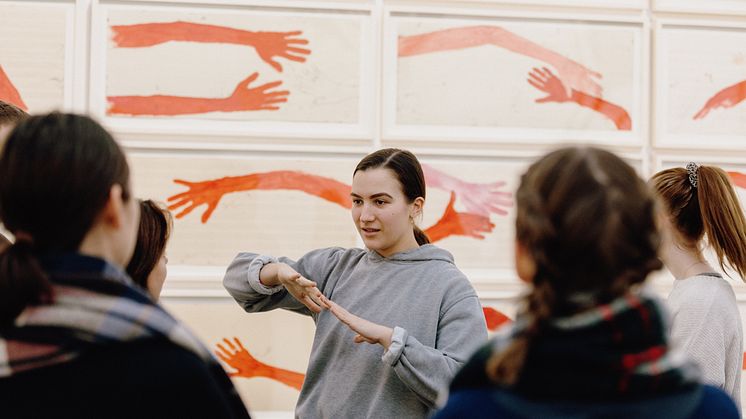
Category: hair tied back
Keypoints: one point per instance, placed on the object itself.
(692, 169)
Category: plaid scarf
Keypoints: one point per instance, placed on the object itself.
(94, 304)
(614, 351)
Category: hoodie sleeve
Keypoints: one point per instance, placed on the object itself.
(428, 371)
(242, 279)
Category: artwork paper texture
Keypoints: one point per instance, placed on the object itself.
(32, 55)
(238, 65)
(704, 77)
(528, 75)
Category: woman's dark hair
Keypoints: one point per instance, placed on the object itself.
(152, 236)
(56, 174)
(588, 222)
(407, 169)
(711, 208)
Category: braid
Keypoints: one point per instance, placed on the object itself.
(586, 220)
(504, 367)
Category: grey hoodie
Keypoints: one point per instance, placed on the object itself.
(432, 307)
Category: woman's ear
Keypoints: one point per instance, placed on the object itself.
(114, 207)
(525, 265)
(417, 205)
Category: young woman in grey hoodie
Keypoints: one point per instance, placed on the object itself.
(420, 314)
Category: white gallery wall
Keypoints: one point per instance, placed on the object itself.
(248, 117)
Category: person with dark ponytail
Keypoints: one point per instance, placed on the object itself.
(415, 307)
(588, 342)
(77, 337)
(698, 202)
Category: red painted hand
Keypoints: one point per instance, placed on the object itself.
(257, 98)
(454, 223)
(547, 82)
(483, 198)
(208, 193)
(238, 358)
(246, 366)
(279, 44)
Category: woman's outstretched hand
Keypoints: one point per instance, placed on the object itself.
(301, 288)
(367, 331)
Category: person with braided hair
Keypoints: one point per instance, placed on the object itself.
(699, 201)
(588, 342)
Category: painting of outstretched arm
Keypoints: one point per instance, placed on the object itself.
(574, 75)
(268, 45)
(8, 92)
(544, 80)
(200, 64)
(725, 98)
(235, 355)
(701, 87)
(449, 73)
(243, 98)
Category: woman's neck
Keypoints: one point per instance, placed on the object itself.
(684, 261)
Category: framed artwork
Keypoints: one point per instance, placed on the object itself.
(701, 82)
(516, 78)
(243, 70)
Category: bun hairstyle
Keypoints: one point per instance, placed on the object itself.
(588, 223)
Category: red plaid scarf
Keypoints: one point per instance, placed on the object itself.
(614, 351)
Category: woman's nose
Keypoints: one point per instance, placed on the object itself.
(366, 214)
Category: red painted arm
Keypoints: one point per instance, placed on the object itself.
(546, 81)
(267, 44)
(210, 192)
(573, 74)
(478, 198)
(243, 98)
(726, 98)
(9, 93)
(237, 357)
(454, 223)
